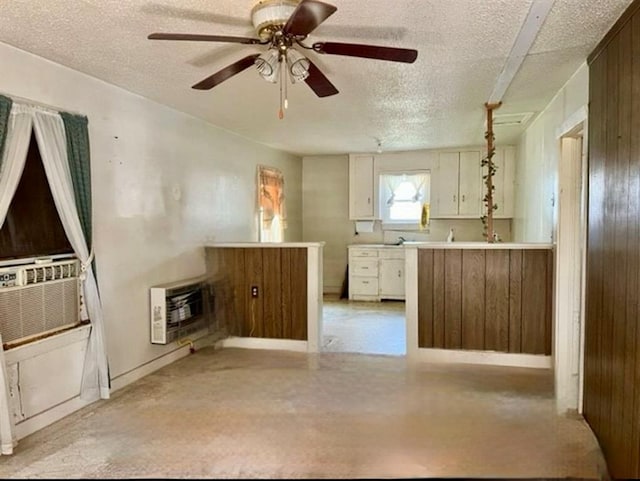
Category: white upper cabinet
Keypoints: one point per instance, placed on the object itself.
(361, 188)
(471, 192)
(504, 179)
(445, 185)
(458, 185)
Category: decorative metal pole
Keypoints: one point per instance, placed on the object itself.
(487, 219)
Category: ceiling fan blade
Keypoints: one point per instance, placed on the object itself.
(226, 73)
(307, 16)
(319, 83)
(367, 51)
(204, 38)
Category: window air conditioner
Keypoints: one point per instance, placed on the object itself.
(38, 299)
(178, 309)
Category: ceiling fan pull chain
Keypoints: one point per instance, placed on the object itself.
(281, 112)
(285, 84)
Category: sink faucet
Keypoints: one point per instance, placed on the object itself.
(401, 240)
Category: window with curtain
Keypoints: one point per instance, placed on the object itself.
(403, 195)
(271, 204)
(32, 227)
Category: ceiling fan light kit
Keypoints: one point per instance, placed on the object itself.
(281, 24)
(267, 15)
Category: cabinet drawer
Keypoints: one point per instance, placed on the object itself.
(363, 252)
(365, 268)
(364, 286)
(392, 254)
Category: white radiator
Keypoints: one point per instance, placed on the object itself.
(178, 309)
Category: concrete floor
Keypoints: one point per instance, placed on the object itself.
(237, 413)
(364, 327)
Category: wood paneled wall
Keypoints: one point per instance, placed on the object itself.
(612, 343)
(485, 299)
(280, 310)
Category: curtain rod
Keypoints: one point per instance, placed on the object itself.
(40, 104)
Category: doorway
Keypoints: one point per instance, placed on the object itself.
(363, 327)
(570, 250)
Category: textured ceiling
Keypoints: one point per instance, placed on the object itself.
(435, 102)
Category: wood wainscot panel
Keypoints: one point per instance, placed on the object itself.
(280, 274)
(515, 301)
(254, 306)
(497, 301)
(534, 302)
(298, 288)
(452, 299)
(438, 299)
(473, 299)
(425, 298)
(272, 288)
(485, 299)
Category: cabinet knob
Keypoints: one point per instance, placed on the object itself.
(369, 200)
(463, 197)
(399, 273)
(454, 197)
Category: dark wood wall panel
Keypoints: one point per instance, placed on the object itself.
(485, 299)
(438, 298)
(632, 371)
(452, 299)
(612, 336)
(473, 299)
(280, 310)
(515, 301)
(497, 300)
(425, 294)
(272, 285)
(299, 302)
(534, 293)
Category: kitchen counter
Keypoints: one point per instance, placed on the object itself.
(478, 245)
(265, 244)
(456, 245)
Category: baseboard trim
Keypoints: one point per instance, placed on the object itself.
(263, 343)
(50, 416)
(483, 357)
(139, 372)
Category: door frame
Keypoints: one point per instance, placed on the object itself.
(570, 262)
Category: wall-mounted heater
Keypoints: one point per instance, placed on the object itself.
(178, 309)
(38, 299)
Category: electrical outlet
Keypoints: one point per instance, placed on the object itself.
(254, 291)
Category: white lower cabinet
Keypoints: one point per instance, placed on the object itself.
(376, 273)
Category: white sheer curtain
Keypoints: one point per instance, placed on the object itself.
(50, 135)
(13, 160)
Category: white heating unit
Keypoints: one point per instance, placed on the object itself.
(178, 309)
(38, 298)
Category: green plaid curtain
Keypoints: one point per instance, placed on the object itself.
(80, 165)
(5, 109)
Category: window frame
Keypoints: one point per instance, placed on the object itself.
(384, 193)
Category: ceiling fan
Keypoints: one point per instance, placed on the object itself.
(282, 25)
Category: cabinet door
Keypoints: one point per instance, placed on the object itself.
(470, 184)
(498, 182)
(509, 180)
(391, 278)
(446, 185)
(361, 202)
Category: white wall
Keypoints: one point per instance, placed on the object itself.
(537, 164)
(164, 183)
(325, 209)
